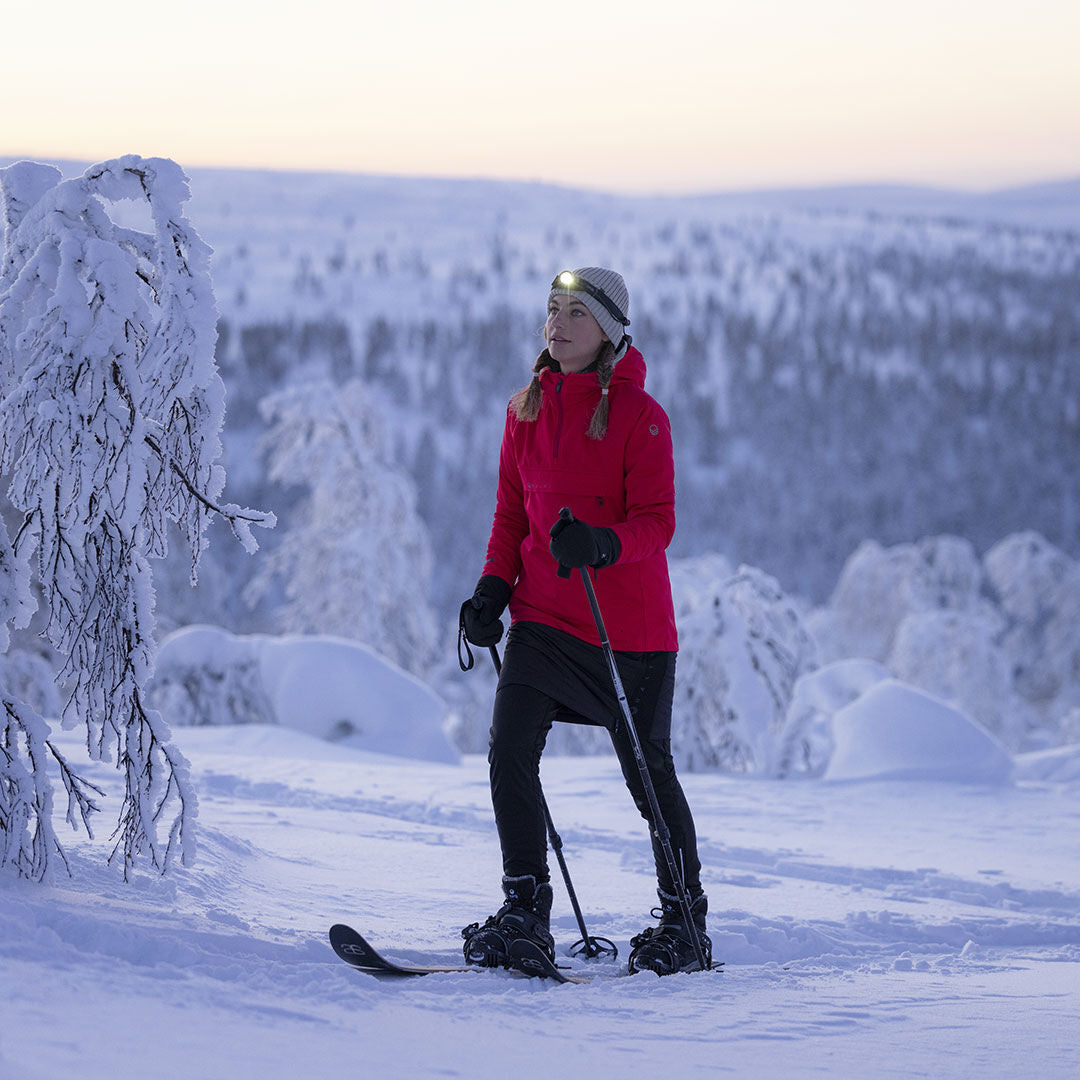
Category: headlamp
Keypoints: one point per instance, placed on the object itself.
(572, 283)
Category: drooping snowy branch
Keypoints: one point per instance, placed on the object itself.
(110, 415)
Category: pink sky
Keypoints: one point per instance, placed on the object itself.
(628, 96)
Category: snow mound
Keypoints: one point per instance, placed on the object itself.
(894, 731)
(806, 743)
(830, 688)
(324, 686)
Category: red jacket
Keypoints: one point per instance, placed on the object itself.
(625, 481)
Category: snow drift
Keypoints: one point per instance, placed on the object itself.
(897, 732)
(329, 687)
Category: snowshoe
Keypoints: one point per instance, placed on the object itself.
(669, 947)
(526, 914)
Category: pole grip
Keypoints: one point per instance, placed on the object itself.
(565, 514)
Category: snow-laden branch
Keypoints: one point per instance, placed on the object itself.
(111, 409)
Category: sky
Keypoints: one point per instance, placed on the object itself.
(619, 95)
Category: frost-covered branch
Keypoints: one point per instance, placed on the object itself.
(239, 519)
(111, 409)
(80, 792)
(27, 837)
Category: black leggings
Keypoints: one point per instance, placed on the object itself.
(522, 719)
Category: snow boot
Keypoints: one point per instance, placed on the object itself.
(526, 914)
(669, 948)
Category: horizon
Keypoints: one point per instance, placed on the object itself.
(612, 97)
(72, 166)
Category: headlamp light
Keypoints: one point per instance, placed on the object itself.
(572, 283)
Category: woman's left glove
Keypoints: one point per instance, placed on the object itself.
(574, 544)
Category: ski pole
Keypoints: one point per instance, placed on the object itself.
(590, 946)
(659, 826)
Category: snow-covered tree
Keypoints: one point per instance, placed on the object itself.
(354, 559)
(1038, 588)
(880, 586)
(207, 677)
(110, 412)
(742, 647)
(995, 637)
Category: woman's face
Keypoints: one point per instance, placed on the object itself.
(573, 336)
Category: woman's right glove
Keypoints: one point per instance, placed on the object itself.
(480, 620)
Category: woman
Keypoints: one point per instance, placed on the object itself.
(583, 434)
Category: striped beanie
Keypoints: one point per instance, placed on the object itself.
(613, 287)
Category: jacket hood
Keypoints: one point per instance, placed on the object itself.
(630, 368)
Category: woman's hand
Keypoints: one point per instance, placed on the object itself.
(574, 544)
(480, 614)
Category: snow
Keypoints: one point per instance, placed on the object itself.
(871, 928)
(325, 686)
(897, 731)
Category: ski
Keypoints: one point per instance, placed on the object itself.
(351, 947)
(358, 953)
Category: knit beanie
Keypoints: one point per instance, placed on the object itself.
(613, 287)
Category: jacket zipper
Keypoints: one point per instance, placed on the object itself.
(558, 419)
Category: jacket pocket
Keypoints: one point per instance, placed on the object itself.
(595, 496)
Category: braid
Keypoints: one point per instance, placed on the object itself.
(526, 402)
(605, 367)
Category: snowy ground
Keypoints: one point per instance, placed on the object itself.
(870, 929)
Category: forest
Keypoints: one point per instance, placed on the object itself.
(831, 376)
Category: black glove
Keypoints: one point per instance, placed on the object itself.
(479, 620)
(574, 544)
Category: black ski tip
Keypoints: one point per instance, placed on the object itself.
(358, 953)
(351, 947)
(528, 958)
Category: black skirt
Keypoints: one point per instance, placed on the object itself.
(575, 674)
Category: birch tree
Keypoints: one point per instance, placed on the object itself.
(111, 408)
(355, 560)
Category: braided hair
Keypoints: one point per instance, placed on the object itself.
(525, 404)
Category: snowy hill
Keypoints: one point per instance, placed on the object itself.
(1052, 205)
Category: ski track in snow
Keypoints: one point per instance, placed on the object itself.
(875, 929)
